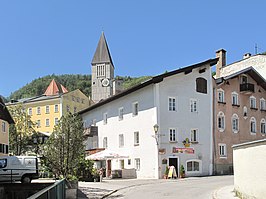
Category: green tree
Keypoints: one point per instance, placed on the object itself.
(20, 133)
(64, 148)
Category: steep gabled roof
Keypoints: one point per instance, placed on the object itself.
(4, 113)
(153, 80)
(102, 53)
(55, 88)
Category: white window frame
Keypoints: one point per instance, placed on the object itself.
(171, 103)
(3, 126)
(38, 110)
(193, 105)
(172, 135)
(262, 104)
(56, 120)
(38, 123)
(30, 111)
(56, 108)
(137, 164)
(135, 108)
(194, 136)
(193, 171)
(221, 117)
(121, 140)
(263, 126)
(220, 95)
(100, 70)
(136, 138)
(235, 123)
(222, 150)
(105, 118)
(120, 113)
(252, 101)
(235, 100)
(47, 122)
(47, 109)
(105, 142)
(253, 125)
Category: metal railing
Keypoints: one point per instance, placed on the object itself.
(55, 191)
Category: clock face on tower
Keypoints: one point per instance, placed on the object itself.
(105, 82)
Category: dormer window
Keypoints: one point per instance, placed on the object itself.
(243, 79)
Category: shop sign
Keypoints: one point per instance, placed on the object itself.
(183, 150)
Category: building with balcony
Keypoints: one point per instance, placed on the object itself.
(239, 110)
(5, 121)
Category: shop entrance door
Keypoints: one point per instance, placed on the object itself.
(174, 162)
(109, 169)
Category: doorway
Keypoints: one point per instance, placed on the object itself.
(174, 162)
(109, 169)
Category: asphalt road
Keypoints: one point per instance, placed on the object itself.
(189, 188)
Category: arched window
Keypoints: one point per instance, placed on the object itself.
(235, 123)
(253, 128)
(201, 85)
(262, 104)
(193, 166)
(263, 126)
(221, 121)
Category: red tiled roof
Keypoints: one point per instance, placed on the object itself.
(54, 89)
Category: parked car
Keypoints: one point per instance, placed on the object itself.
(18, 168)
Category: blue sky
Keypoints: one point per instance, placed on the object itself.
(145, 37)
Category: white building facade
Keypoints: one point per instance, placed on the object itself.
(179, 102)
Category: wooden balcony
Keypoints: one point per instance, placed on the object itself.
(247, 88)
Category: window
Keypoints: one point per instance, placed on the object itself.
(122, 164)
(220, 94)
(172, 135)
(222, 150)
(135, 108)
(201, 85)
(244, 79)
(47, 109)
(137, 164)
(3, 126)
(194, 136)
(193, 106)
(171, 103)
(121, 140)
(82, 101)
(263, 126)
(105, 144)
(100, 70)
(47, 122)
(75, 109)
(3, 163)
(252, 100)
(221, 121)
(78, 99)
(262, 104)
(68, 108)
(193, 166)
(38, 123)
(253, 125)
(235, 99)
(56, 121)
(136, 138)
(235, 123)
(245, 112)
(120, 113)
(30, 111)
(73, 98)
(56, 108)
(129, 161)
(38, 110)
(105, 118)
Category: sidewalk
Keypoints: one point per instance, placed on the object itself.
(226, 192)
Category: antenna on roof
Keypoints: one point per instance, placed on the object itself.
(256, 49)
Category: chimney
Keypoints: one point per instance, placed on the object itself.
(247, 55)
(221, 54)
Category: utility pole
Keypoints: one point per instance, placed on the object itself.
(256, 49)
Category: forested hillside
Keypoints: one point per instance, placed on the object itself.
(71, 82)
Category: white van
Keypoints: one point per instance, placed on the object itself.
(18, 168)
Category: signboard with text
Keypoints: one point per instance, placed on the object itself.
(183, 150)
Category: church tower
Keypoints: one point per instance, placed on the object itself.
(102, 72)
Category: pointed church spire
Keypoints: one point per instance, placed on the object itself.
(102, 53)
(55, 88)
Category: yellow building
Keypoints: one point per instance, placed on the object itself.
(5, 121)
(46, 110)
